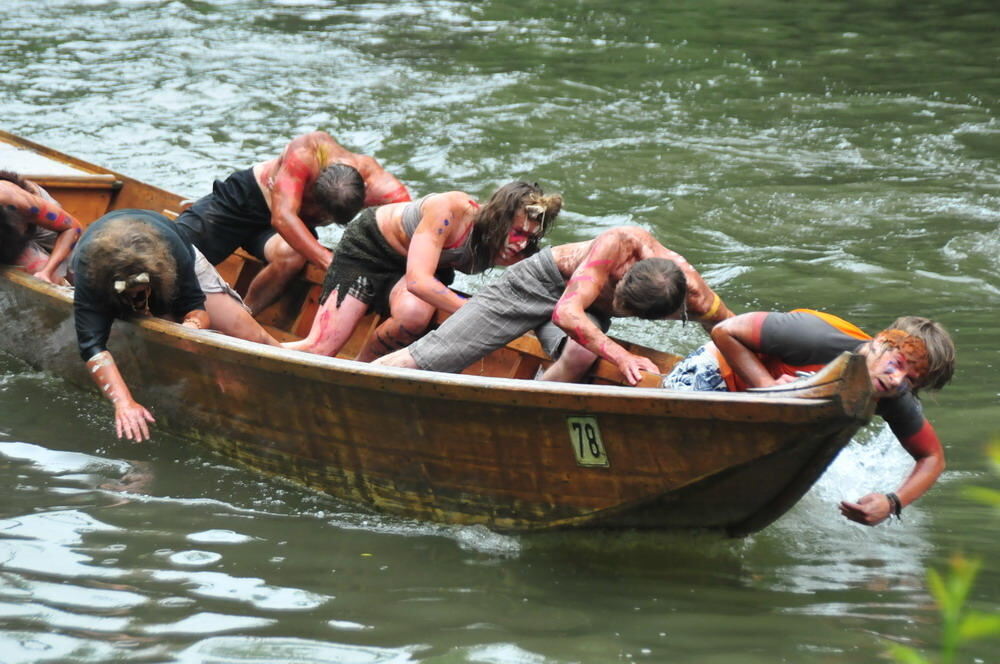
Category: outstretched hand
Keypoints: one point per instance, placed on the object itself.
(870, 510)
(132, 420)
(632, 367)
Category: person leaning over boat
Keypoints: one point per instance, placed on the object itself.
(762, 349)
(134, 262)
(398, 259)
(568, 295)
(35, 232)
(273, 208)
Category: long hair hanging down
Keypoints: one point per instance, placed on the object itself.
(126, 246)
(495, 219)
(16, 230)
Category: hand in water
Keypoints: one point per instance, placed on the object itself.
(132, 420)
(870, 510)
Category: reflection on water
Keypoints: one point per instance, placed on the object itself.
(835, 156)
(123, 568)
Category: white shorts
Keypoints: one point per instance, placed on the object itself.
(211, 281)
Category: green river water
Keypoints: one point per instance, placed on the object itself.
(841, 156)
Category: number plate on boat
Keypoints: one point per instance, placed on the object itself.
(585, 436)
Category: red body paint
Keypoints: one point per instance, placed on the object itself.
(923, 443)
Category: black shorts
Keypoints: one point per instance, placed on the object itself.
(366, 267)
(235, 215)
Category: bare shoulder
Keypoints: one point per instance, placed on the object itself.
(625, 244)
(449, 199)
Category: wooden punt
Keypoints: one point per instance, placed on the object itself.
(485, 447)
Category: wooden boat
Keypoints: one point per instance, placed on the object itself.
(485, 447)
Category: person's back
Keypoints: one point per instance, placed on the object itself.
(568, 294)
(272, 209)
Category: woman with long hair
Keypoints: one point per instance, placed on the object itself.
(399, 259)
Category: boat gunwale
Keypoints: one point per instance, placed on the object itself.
(327, 369)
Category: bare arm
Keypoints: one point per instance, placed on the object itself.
(703, 304)
(131, 419)
(381, 186)
(610, 249)
(439, 226)
(50, 216)
(738, 339)
(926, 449)
(297, 167)
(197, 319)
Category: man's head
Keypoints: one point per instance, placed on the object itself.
(338, 194)
(912, 354)
(653, 289)
(130, 263)
(510, 226)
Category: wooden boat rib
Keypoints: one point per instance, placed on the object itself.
(485, 447)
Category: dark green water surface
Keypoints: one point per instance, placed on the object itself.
(841, 156)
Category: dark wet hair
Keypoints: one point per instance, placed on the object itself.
(340, 190)
(940, 349)
(16, 229)
(652, 289)
(126, 246)
(11, 176)
(495, 219)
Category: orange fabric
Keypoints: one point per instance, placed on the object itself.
(775, 366)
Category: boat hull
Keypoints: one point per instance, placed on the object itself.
(454, 449)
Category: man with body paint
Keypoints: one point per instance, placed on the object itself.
(568, 294)
(273, 208)
(761, 349)
(35, 233)
(135, 263)
(399, 259)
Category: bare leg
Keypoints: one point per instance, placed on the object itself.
(572, 365)
(230, 318)
(401, 358)
(32, 259)
(283, 263)
(332, 326)
(409, 317)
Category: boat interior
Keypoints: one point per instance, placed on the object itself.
(87, 192)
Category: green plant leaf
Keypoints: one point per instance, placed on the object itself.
(939, 590)
(905, 655)
(982, 494)
(979, 625)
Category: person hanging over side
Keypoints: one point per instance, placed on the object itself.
(761, 349)
(35, 232)
(135, 263)
(568, 295)
(273, 208)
